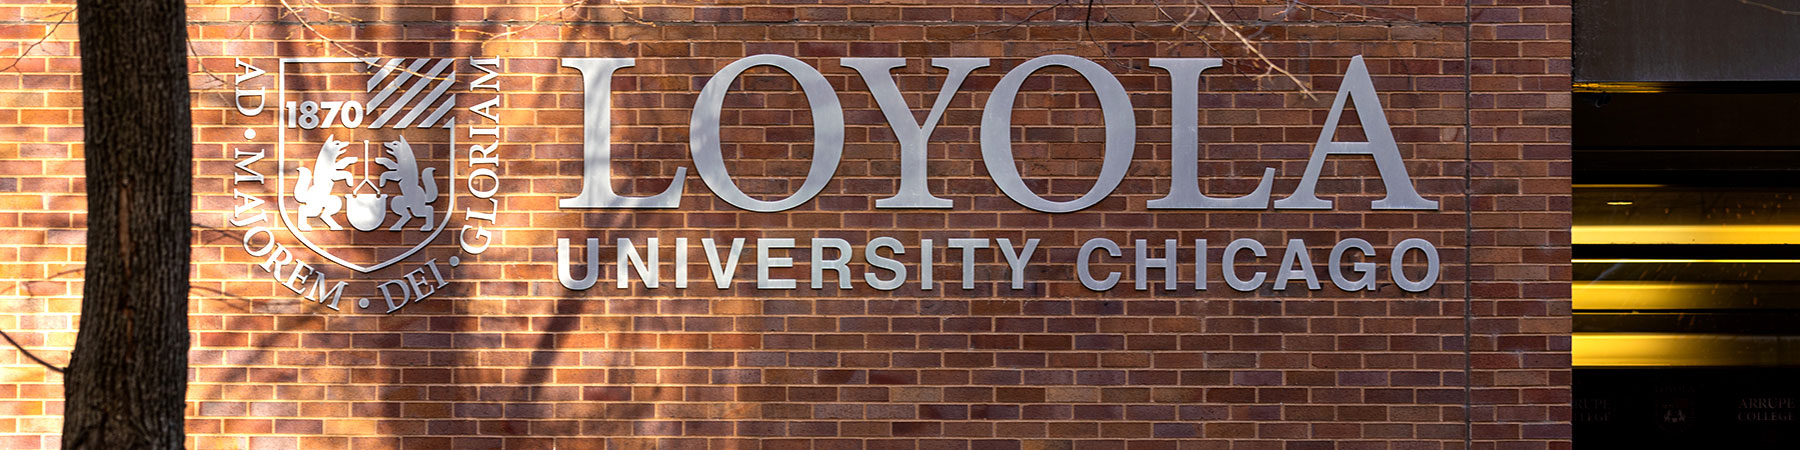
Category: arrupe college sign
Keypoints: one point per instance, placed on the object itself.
(430, 189)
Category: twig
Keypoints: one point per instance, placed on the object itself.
(359, 54)
(202, 64)
(309, 27)
(1244, 41)
(28, 354)
(1770, 8)
(1087, 34)
(634, 17)
(1021, 22)
(1292, 4)
(64, 17)
(15, 343)
(314, 5)
(1256, 51)
(540, 20)
(1087, 20)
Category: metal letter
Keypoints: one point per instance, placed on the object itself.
(563, 273)
(647, 268)
(420, 286)
(435, 274)
(1229, 264)
(320, 294)
(596, 142)
(1400, 194)
(491, 78)
(926, 265)
(405, 294)
(841, 265)
(250, 72)
(298, 276)
(968, 247)
(912, 135)
(875, 259)
(244, 160)
(1145, 263)
(266, 248)
(1296, 251)
(722, 274)
(1431, 265)
(277, 260)
(1199, 264)
(1366, 269)
(1184, 137)
(242, 203)
(1081, 264)
(996, 134)
(468, 245)
(681, 266)
(828, 133)
(1016, 261)
(764, 262)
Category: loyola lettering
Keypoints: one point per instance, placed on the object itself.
(995, 136)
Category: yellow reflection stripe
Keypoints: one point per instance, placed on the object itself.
(1686, 234)
(1618, 186)
(1644, 296)
(1682, 349)
(1617, 87)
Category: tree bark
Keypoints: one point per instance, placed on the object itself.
(127, 379)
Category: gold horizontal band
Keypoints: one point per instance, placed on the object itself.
(1682, 350)
(1687, 234)
(1680, 261)
(1619, 186)
(1616, 87)
(1663, 295)
(1642, 296)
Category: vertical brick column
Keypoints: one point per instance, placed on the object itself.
(1519, 146)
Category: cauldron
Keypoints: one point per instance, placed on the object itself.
(366, 211)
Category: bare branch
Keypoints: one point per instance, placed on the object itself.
(1087, 34)
(1021, 22)
(309, 27)
(1771, 8)
(634, 17)
(28, 354)
(1270, 67)
(539, 21)
(314, 5)
(1255, 50)
(1297, 4)
(29, 295)
(62, 17)
(360, 54)
(202, 65)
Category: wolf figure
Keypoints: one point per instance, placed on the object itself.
(313, 191)
(418, 189)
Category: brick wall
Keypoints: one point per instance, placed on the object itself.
(507, 357)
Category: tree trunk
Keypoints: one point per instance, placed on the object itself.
(127, 378)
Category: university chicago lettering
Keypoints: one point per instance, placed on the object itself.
(886, 263)
(995, 137)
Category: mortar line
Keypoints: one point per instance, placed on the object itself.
(1468, 225)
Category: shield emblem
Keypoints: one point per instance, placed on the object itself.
(365, 176)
